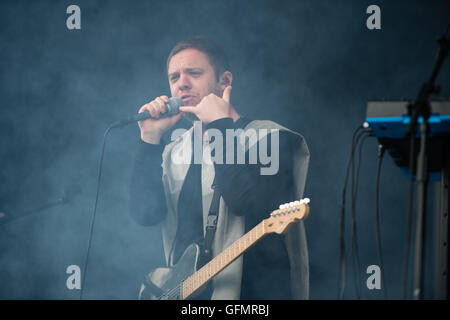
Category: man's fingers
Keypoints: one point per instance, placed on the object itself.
(188, 109)
(161, 105)
(153, 111)
(143, 108)
(226, 94)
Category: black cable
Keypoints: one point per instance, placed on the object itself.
(342, 266)
(354, 240)
(381, 150)
(91, 229)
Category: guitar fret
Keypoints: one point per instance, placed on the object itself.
(208, 271)
(196, 280)
(190, 286)
(186, 287)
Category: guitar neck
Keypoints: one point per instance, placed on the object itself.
(212, 268)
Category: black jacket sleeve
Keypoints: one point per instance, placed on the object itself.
(147, 200)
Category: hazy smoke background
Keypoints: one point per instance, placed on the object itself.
(309, 65)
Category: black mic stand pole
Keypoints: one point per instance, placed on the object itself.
(67, 196)
(421, 107)
(27, 213)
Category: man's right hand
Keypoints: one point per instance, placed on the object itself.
(153, 129)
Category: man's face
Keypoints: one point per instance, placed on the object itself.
(191, 77)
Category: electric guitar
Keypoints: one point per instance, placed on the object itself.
(183, 280)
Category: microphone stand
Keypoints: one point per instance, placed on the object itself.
(421, 108)
(65, 198)
(27, 213)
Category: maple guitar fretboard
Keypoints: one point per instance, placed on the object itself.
(218, 263)
(278, 222)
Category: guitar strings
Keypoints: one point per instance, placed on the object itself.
(173, 293)
(229, 255)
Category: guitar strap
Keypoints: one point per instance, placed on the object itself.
(205, 253)
(211, 223)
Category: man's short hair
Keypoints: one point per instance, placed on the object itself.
(212, 50)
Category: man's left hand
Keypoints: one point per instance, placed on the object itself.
(212, 107)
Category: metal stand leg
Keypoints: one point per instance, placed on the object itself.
(443, 278)
(422, 188)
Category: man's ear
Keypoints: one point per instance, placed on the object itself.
(225, 80)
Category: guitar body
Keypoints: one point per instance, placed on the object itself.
(183, 280)
(169, 279)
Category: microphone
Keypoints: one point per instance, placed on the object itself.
(173, 107)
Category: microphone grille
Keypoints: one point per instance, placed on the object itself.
(173, 107)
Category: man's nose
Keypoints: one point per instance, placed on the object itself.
(184, 82)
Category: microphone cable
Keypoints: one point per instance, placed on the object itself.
(91, 228)
(171, 108)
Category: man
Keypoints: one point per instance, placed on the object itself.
(277, 266)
